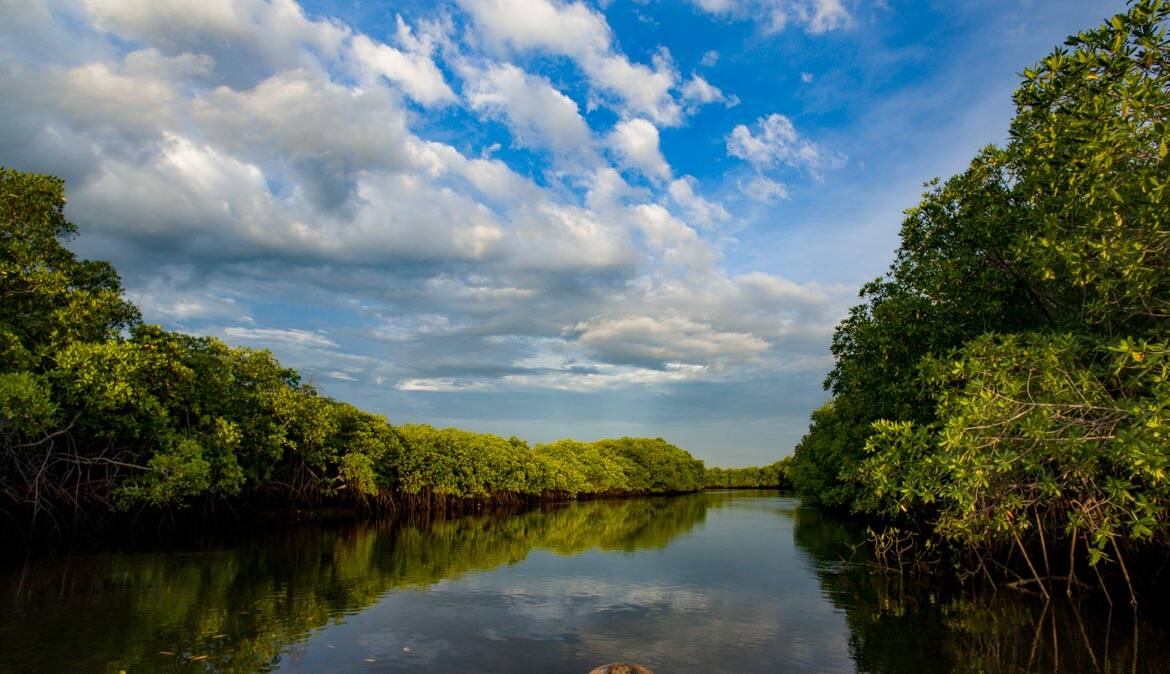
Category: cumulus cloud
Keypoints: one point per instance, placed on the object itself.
(245, 37)
(415, 72)
(582, 34)
(538, 115)
(775, 142)
(678, 243)
(698, 92)
(321, 131)
(700, 210)
(561, 28)
(635, 142)
(249, 168)
(106, 94)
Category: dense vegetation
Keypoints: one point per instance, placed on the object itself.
(774, 476)
(101, 413)
(1005, 388)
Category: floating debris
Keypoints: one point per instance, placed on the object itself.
(621, 668)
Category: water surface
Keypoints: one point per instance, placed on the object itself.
(716, 582)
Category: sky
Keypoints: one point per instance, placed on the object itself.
(527, 217)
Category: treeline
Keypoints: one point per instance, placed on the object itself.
(103, 414)
(1005, 388)
(774, 476)
(453, 463)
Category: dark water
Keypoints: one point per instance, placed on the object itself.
(716, 582)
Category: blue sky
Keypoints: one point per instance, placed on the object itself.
(529, 217)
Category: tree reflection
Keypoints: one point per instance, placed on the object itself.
(235, 610)
(902, 625)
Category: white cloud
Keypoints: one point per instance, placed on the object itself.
(702, 211)
(698, 92)
(163, 296)
(272, 160)
(776, 290)
(312, 127)
(710, 58)
(561, 28)
(131, 96)
(610, 377)
(824, 15)
(293, 337)
(99, 93)
(678, 243)
(538, 115)
(490, 177)
(773, 16)
(657, 341)
(415, 72)
(642, 90)
(717, 6)
(764, 190)
(186, 189)
(578, 32)
(546, 235)
(276, 33)
(635, 142)
(775, 142)
(807, 78)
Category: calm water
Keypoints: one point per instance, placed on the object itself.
(715, 582)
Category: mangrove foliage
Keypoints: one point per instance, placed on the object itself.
(102, 414)
(1005, 388)
(772, 476)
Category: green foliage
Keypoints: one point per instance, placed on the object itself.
(1005, 383)
(575, 467)
(452, 462)
(459, 463)
(824, 461)
(49, 298)
(773, 476)
(654, 465)
(99, 412)
(26, 408)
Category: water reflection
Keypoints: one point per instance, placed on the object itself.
(234, 610)
(900, 626)
(722, 581)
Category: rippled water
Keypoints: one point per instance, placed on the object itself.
(715, 582)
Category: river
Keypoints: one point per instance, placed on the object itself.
(729, 581)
